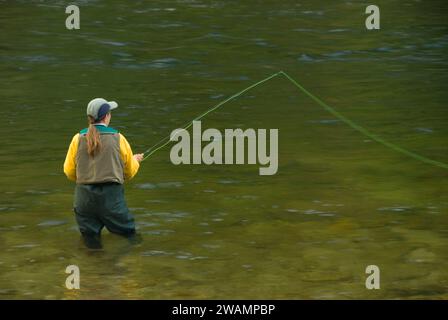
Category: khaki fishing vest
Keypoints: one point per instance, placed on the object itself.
(106, 165)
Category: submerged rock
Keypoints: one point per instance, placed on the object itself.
(421, 255)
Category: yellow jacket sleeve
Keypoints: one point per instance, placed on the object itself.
(131, 165)
(70, 159)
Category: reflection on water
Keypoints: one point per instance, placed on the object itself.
(339, 202)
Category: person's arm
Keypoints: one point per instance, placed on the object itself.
(131, 162)
(70, 159)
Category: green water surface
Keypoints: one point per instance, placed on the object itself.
(339, 201)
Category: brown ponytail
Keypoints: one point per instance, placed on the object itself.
(93, 139)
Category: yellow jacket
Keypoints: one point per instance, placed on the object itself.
(131, 165)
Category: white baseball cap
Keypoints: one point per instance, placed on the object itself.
(99, 107)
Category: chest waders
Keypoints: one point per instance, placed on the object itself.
(99, 194)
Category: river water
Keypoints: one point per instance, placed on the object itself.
(339, 201)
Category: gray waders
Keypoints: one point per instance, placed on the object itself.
(102, 205)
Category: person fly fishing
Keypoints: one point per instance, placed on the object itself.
(100, 160)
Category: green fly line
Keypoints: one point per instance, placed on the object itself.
(166, 140)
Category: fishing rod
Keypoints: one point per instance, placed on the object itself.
(166, 140)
